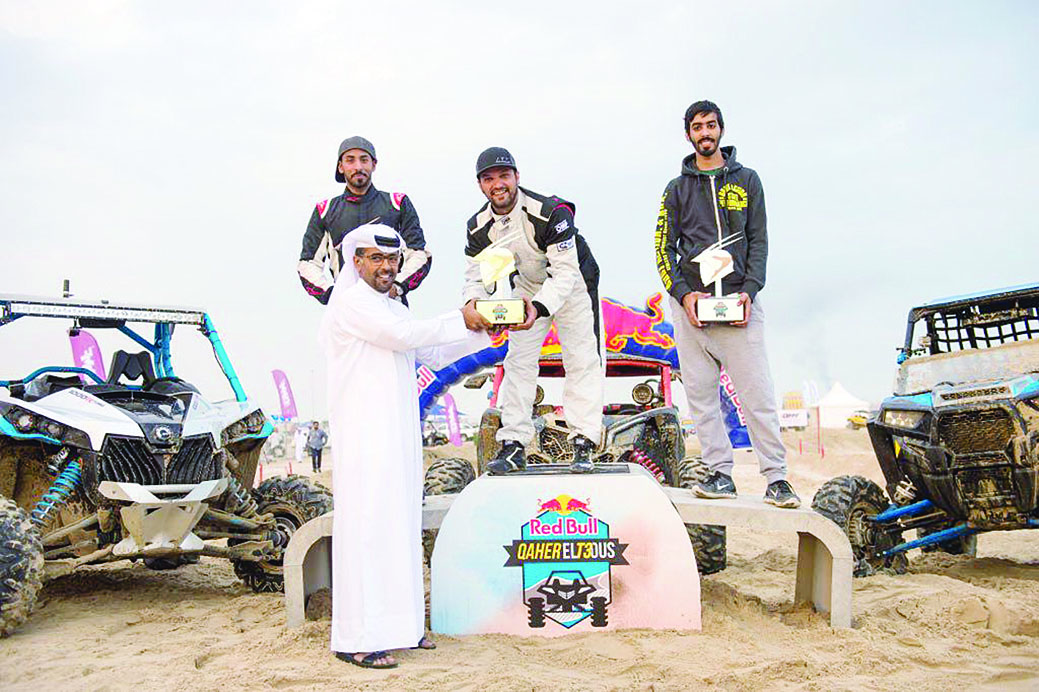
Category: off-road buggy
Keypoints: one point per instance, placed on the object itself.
(139, 466)
(646, 431)
(958, 443)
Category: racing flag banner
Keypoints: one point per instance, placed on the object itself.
(288, 402)
(608, 550)
(86, 353)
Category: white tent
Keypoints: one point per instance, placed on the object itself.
(837, 405)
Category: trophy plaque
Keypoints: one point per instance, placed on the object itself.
(501, 309)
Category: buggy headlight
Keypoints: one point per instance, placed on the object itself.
(29, 423)
(23, 420)
(642, 393)
(539, 394)
(907, 420)
(250, 425)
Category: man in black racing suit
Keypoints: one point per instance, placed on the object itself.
(332, 219)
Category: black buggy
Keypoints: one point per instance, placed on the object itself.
(958, 442)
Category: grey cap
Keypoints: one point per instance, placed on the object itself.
(349, 143)
(493, 158)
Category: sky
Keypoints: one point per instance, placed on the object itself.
(171, 153)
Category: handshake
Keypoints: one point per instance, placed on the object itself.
(478, 321)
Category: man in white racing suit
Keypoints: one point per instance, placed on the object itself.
(556, 272)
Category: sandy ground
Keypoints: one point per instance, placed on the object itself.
(951, 622)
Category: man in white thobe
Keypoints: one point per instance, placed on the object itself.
(300, 442)
(371, 343)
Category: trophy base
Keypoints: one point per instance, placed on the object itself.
(502, 312)
(719, 309)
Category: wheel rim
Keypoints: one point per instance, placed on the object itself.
(867, 541)
(285, 522)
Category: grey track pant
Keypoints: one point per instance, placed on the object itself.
(702, 351)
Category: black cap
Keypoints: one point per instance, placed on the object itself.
(493, 158)
(353, 143)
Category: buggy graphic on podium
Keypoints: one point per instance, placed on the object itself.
(566, 555)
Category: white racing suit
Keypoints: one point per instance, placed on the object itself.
(556, 270)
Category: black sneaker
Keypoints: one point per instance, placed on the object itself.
(510, 458)
(717, 486)
(781, 494)
(583, 448)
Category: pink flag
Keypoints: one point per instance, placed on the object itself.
(288, 403)
(86, 354)
(454, 430)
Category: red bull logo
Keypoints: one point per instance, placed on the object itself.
(565, 526)
(552, 505)
(551, 345)
(623, 323)
(563, 504)
(425, 377)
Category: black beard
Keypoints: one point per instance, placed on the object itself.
(510, 201)
(706, 148)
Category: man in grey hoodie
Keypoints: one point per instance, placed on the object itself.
(714, 198)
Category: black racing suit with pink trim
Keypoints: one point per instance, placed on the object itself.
(333, 218)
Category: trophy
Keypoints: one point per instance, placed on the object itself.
(497, 263)
(715, 264)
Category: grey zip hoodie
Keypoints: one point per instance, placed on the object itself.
(686, 226)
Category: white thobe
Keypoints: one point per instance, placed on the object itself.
(371, 344)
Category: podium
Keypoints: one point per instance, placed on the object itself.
(546, 553)
(488, 568)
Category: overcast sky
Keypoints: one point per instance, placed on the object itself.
(172, 153)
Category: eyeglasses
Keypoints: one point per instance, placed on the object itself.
(379, 258)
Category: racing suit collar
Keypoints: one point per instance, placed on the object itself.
(731, 164)
(349, 196)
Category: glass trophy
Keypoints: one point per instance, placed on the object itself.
(715, 264)
(501, 309)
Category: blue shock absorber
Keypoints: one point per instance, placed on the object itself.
(64, 485)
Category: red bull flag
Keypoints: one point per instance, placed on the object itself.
(86, 354)
(632, 331)
(288, 402)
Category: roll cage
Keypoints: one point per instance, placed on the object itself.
(102, 314)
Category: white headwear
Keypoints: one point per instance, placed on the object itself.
(373, 235)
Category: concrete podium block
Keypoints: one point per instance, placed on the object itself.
(824, 556)
(548, 554)
(307, 566)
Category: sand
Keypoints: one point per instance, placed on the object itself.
(951, 622)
